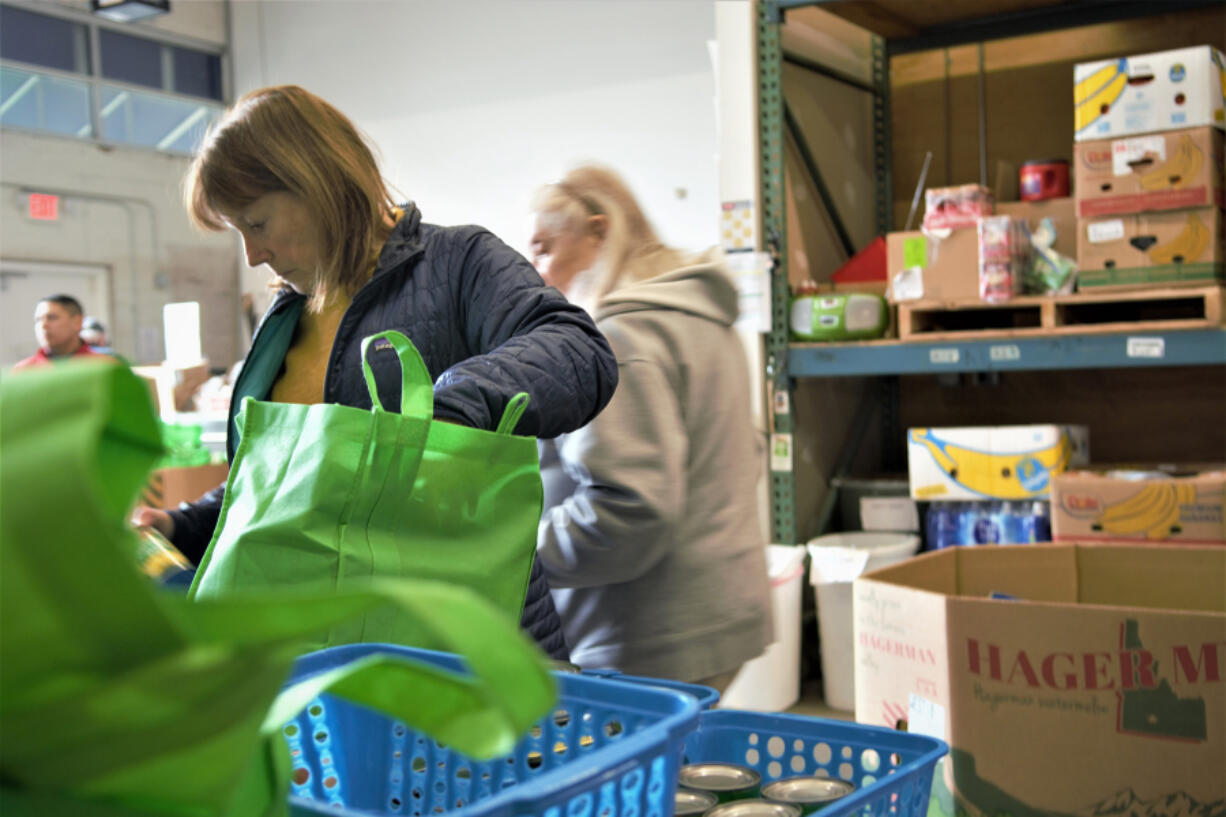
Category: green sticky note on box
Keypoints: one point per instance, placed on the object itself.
(915, 252)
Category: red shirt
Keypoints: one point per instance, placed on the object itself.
(41, 358)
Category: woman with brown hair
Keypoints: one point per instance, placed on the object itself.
(651, 536)
(296, 180)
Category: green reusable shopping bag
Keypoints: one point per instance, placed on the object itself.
(320, 496)
(117, 698)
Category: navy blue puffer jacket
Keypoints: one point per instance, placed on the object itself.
(486, 326)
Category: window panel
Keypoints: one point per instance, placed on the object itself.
(41, 40)
(131, 59)
(197, 73)
(155, 121)
(66, 107)
(174, 120)
(43, 102)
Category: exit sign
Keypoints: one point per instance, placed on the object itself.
(44, 206)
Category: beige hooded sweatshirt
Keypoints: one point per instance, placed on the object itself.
(651, 538)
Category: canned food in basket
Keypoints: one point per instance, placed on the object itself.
(690, 802)
(157, 558)
(754, 808)
(727, 781)
(809, 793)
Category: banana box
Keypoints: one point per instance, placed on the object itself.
(1180, 506)
(1143, 249)
(1161, 171)
(992, 462)
(1147, 93)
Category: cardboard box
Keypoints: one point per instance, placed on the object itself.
(992, 462)
(173, 387)
(1171, 247)
(1161, 171)
(1146, 93)
(1184, 506)
(1098, 688)
(863, 287)
(952, 208)
(168, 487)
(1062, 212)
(927, 267)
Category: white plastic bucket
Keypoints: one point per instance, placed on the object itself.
(771, 682)
(836, 560)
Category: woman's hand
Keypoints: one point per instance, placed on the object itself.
(154, 518)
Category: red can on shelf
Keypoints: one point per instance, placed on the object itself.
(1044, 179)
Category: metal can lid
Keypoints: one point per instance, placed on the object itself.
(718, 776)
(807, 789)
(690, 801)
(755, 808)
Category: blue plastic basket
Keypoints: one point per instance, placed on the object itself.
(609, 749)
(707, 696)
(892, 770)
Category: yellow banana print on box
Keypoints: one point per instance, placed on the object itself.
(1188, 246)
(1095, 82)
(1152, 511)
(1000, 476)
(1098, 90)
(1177, 171)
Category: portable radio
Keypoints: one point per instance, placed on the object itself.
(838, 316)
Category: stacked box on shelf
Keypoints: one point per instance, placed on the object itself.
(946, 267)
(992, 462)
(1004, 252)
(930, 268)
(1160, 505)
(988, 484)
(1149, 169)
(939, 262)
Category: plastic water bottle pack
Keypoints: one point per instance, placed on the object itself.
(993, 522)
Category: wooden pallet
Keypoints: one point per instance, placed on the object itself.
(1134, 310)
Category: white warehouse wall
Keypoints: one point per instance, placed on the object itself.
(474, 104)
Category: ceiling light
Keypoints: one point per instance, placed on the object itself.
(125, 11)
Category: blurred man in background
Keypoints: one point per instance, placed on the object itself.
(57, 327)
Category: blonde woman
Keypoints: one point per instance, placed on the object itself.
(293, 177)
(650, 537)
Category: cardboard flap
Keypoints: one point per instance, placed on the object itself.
(1190, 578)
(935, 571)
(1029, 572)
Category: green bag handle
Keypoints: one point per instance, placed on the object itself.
(515, 409)
(416, 387)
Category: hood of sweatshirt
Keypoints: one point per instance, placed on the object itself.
(702, 288)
